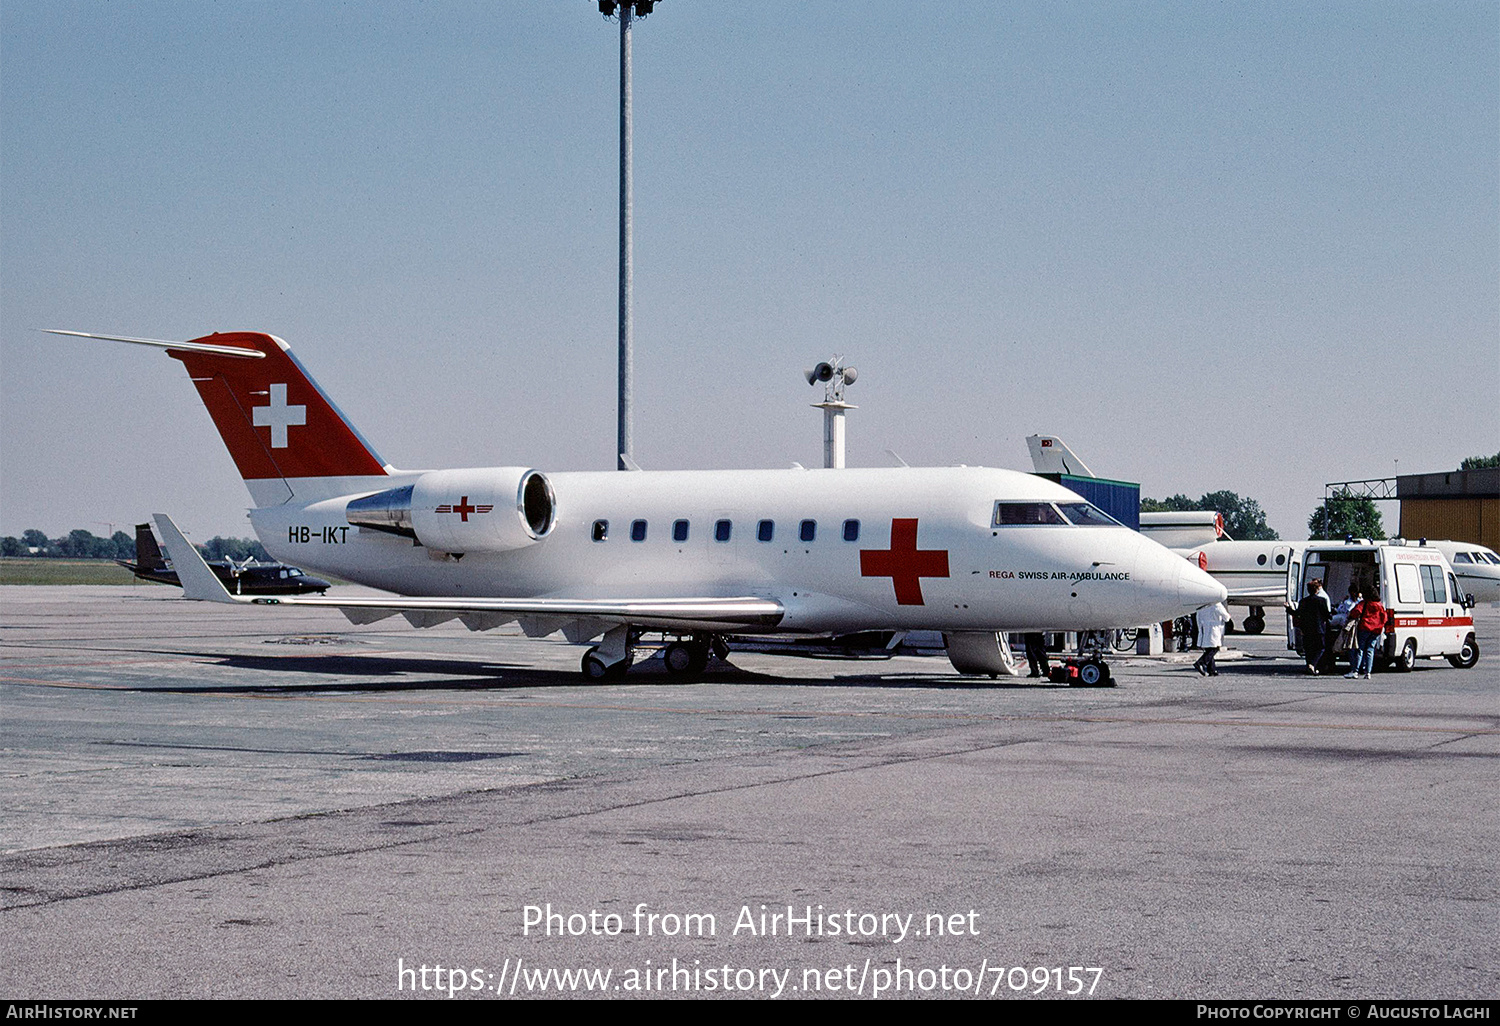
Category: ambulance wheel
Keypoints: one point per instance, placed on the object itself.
(1467, 656)
(1093, 675)
(1407, 660)
(1255, 624)
(685, 658)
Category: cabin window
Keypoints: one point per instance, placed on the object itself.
(601, 530)
(721, 530)
(680, 530)
(1086, 514)
(765, 530)
(809, 530)
(637, 530)
(1260, 560)
(1281, 559)
(1020, 514)
(851, 530)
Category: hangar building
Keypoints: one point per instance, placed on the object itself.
(1463, 505)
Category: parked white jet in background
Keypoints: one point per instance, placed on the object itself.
(1254, 572)
(1477, 568)
(695, 555)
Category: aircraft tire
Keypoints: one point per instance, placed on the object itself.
(1468, 656)
(685, 658)
(1254, 624)
(593, 667)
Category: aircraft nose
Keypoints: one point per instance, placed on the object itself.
(1196, 589)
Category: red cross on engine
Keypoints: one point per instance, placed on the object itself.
(904, 563)
(463, 509)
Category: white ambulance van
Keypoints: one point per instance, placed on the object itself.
(1430, 614)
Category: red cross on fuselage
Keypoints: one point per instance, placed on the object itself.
(463, 509)
(904, 563)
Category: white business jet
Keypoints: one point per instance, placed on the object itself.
(694, 556)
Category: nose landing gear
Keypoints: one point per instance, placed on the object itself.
(1087, 672)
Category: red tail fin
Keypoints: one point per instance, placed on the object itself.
(274, 419)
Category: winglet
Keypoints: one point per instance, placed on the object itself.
(198, 581)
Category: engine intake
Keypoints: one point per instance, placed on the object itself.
(494, 509)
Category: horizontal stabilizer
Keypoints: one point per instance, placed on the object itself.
(234, 352)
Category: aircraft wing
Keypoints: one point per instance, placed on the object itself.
(578, 618)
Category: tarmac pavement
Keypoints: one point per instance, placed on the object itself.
(205, 801)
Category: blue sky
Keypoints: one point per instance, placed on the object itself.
(1241, 246)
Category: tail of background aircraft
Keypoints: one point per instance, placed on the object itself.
(1051, 455)
(287, 438)
(147, 553)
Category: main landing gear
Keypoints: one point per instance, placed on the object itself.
(684, 658)
(609, 659)
(1255, 623)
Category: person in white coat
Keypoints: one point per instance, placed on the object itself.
(1211, 621)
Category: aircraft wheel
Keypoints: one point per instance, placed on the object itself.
(1407, 660)
(1467, 656)
(1255, 624)
(1093, 675)
(685, 658)
(593, 667)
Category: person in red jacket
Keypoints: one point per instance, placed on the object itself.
(1371, 617)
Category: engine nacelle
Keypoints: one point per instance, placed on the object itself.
(493, 509)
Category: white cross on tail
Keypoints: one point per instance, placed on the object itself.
(278, 416)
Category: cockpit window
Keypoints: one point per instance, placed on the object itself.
(1019, 514)
(1491, 557)
(1086, 514)
(1461, 557)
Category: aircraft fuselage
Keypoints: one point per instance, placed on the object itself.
(841, 550)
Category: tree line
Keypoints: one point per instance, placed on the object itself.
(81, 544)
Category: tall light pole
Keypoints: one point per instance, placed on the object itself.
(834, 377)
(628, 11)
